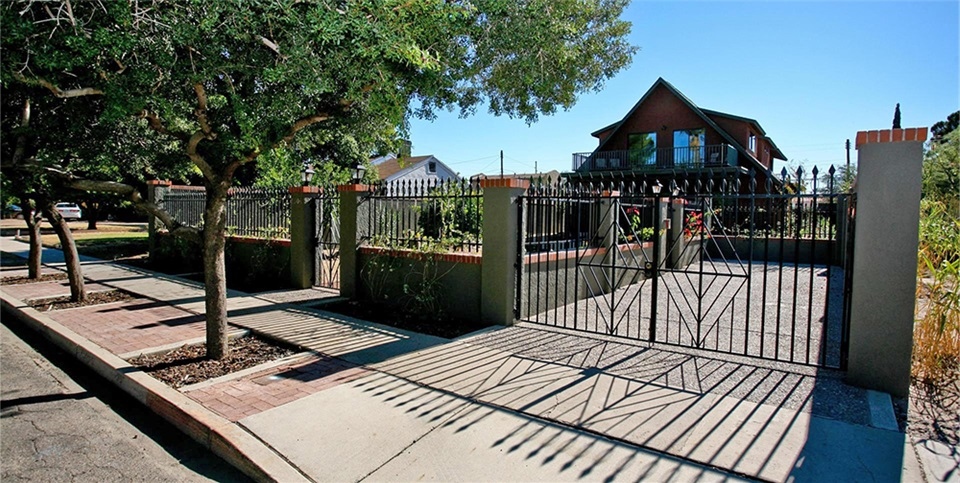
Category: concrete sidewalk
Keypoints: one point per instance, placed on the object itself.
(368, 401)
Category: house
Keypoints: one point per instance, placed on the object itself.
(543, 176)
(428, 169)
(665, 136)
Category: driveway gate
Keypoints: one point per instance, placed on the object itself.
(711, 264)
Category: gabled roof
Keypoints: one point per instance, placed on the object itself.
(389, 165)
(696, 110)
(777, 152)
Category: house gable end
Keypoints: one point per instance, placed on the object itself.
(663, 102)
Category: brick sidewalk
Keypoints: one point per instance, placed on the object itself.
(238, 398)
(132, 325)
(168, 319)
(31, 291)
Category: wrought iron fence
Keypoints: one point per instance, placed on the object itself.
(714, 264)
(251, 212)
(420, 214)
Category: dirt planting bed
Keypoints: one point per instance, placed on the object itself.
(189, 364)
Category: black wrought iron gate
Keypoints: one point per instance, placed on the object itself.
(327, 238)
(712, 264)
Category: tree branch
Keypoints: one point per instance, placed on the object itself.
(63, 94)
(21, 147)
(297, 126)
(201, 111)
(157, 125)
(272, 46)
(197, 158)
(173, 226)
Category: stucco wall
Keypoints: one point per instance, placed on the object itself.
(458, 290)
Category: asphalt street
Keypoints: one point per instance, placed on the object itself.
(62, 422)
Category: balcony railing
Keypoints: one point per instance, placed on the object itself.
(713, 156)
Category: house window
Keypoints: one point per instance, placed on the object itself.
(431, 167)
(689, 146)
(642, 148)
(752, 143)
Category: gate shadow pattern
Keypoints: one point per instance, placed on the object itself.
(735, 414)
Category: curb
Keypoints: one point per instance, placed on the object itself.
(224, 438)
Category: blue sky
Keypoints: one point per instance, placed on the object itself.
(812, 73)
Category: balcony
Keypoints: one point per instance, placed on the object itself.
(703, 157)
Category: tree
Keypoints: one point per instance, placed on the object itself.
(841, 181)
(942, 128)
(941, 171)
(896, 117)
(226, 82)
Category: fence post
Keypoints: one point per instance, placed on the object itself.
(675, 244)
(349, 240)
(501, 228)
(302, 230)
(885, 259)
(608, 232)
(156, 188)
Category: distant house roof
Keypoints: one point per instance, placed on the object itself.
(390, 165)
(553, 175)
(702, 113)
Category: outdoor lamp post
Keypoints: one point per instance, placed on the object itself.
(307, 174)
(656, 188)
(358, 170)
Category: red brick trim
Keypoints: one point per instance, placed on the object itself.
(254, 240)
(354, 188)
(610, 194)
(183, 187)
(304, 189)
(586, 252)
(159, 182)
(891, 136)
(468, 258)
(504, 183)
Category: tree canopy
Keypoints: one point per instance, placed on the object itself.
(224, 82)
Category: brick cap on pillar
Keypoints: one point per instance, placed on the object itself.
(346, 188)
(304, 189)
(611, 194)
(159, 182)
(504, 183)
(891, 136)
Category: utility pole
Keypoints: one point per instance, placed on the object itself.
(535, 170)
(848, 155)
(501, 163)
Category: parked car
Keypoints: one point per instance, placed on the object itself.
(12, 211)
(69, 211)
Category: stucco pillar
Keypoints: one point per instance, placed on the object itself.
(349, 238)
(885, 259)
(675, 243)
(498, 271)
(155, 190)
(303, 229)
(608, 232)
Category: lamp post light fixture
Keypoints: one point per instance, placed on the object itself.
(307, 174)
(358, 171)
(656, 188)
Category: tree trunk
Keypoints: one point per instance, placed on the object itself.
(92, 212)
(78, 292)
(32, 218)
(214, 270)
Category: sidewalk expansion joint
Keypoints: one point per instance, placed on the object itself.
(274, 450)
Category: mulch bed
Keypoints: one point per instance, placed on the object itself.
(189, 364)
(50, 277)
(447, 327)
(93, 298)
